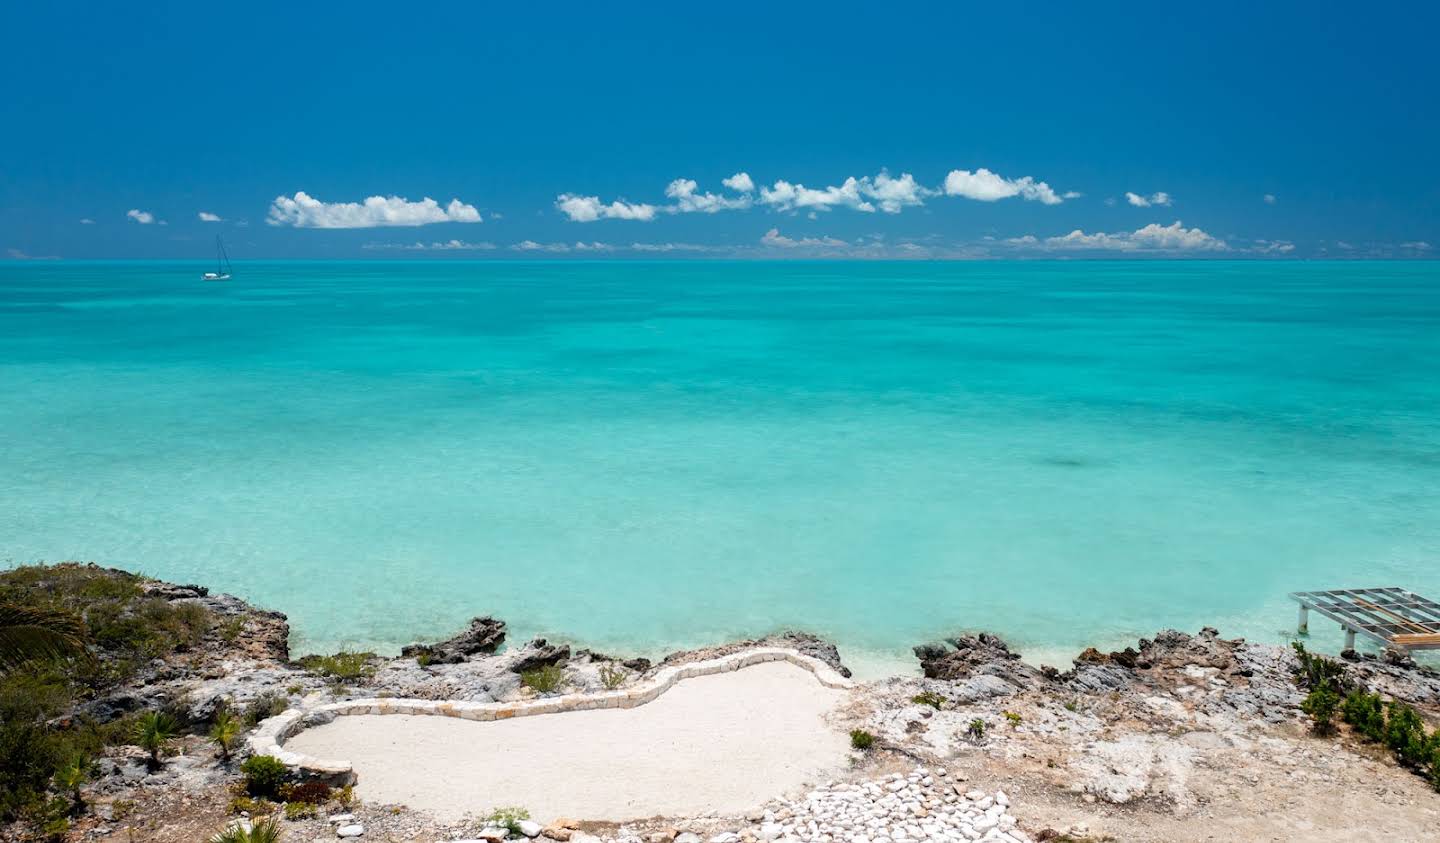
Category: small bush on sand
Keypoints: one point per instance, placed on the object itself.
(976, 729)
(508, 819)
(544, 679)
(1321, 704)
(301, 810)
(861, 739)
(263, 776)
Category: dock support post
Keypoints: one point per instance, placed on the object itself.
(1349, 638)
(1304, 620)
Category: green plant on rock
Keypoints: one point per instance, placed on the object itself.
(1012, 718)
(69, 778)
(263, 776)
(613, 676)
(1311, 670)
(224, 732)
(263, 831)
(265, 706)
(301, 810)
(544, 679)
(1366, 713)
(861, 739)
(929, 698)
(976, 729)
(344, 667)
(509, 819)
(1321, 704)
(30, 634)
(154, 730)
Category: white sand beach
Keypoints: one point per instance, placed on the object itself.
(721, 743)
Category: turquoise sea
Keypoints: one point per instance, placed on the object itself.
(641, 455)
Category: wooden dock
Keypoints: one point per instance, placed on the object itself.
(1391, 617)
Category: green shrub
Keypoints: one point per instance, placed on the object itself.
(224, 732)
(69, 778)
(263, 831)
(1012, 718)
(301, 810)
(263, 776)
(861, 739)
(342, 667)
(612, 676)
(1405, 735)
(508, 819)
(345, 796)
(544, 679)
(929, 698)
(1321, 704)
(1313, 669)
(248, 805)
(154, 730)
(976, 729)
(1366, 713)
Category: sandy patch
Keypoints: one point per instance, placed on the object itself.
(721, 743)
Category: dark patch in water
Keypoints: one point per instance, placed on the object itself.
(1065, 462)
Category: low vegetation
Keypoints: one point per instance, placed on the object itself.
(544, 679)
(509, 819)
(69, 633)
(264, 774)
(263, 831)
(976, 729)
(342, 668)
(861, 739)
(613, 676)
(929, 698)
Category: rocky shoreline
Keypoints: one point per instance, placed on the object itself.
(1149, 743)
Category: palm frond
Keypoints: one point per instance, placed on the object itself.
(29, 634)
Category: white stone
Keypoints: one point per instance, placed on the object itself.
(529, 828)
(351, 830)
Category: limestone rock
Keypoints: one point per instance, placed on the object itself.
(484, 635)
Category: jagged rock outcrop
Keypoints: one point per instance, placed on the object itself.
(538, 653)
(975, 656)
(484, 635)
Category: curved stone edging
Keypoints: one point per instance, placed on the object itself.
(269, 738)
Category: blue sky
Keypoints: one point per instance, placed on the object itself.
(1272, 129)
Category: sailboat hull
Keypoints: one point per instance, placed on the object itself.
(211, 276)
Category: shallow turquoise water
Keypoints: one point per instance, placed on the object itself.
(644, 455)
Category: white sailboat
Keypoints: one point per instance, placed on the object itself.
(222, 264)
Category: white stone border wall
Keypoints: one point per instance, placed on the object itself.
(270, 737)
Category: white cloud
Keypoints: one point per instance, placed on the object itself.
(1269, 198)
(773, 237)
(1417, 245)
(1273, 247)
(892, 194)
(1071, 194)
(436, 246)
(1160, 199)
(87, 221)
(688, 201)
(784, 196)
(673, 247)
(142, 217)
(1153, 237)
(532, 246)
(740, 182)
(206, 216)
(590, 209)
(986, 186)
(305, 211)
(20, 255)
(593, 247)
